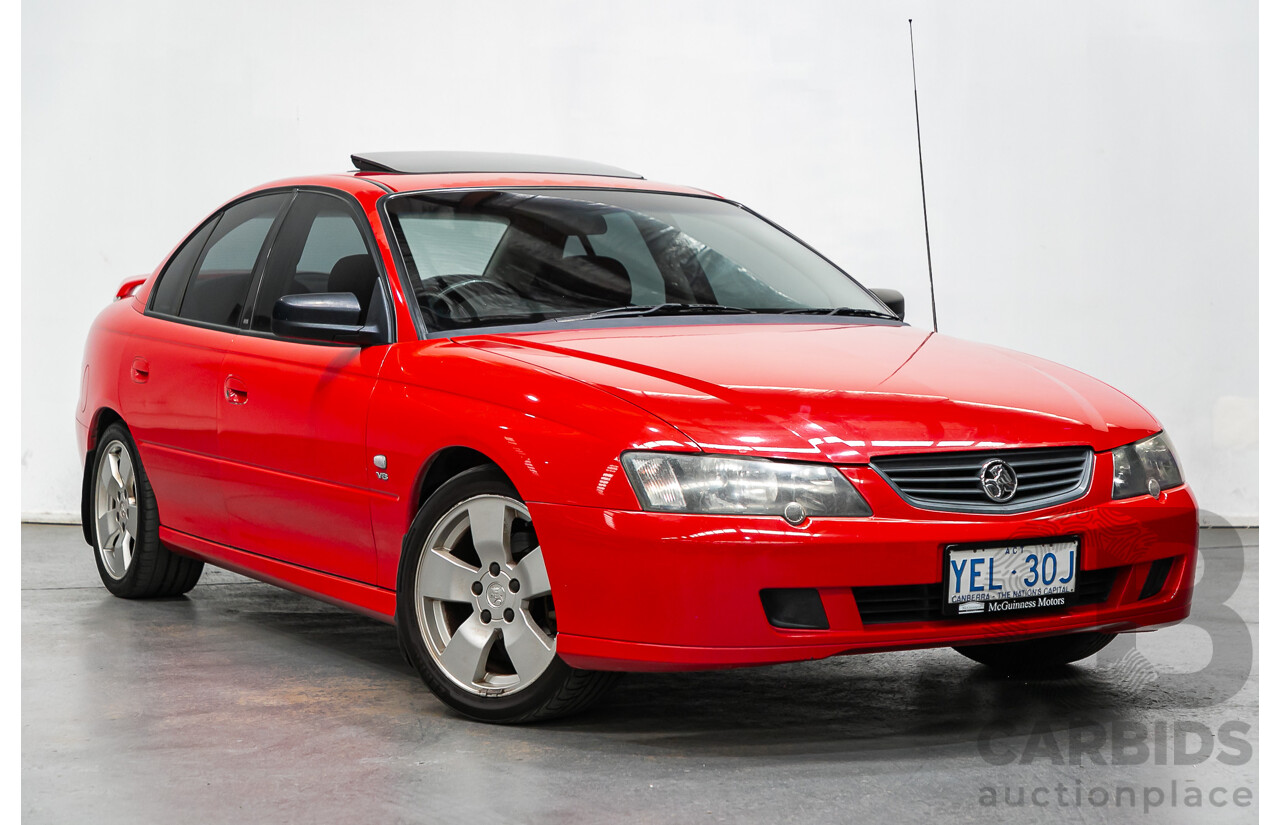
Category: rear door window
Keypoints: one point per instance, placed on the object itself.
(217, 292)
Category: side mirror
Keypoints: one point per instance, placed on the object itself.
(323, 316)
(893, 299)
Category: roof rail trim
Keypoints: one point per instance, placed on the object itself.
(441, 163)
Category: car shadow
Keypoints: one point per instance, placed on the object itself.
(908, 704)
(868, 706)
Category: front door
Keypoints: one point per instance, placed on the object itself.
(292, 417)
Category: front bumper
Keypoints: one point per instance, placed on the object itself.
(649, 591)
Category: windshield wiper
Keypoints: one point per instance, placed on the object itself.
(662, 309)
(851, 311)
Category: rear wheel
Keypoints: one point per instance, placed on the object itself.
(475, 611)
(126, 530)
(1037, 654)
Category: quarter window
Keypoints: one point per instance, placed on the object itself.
(173, 281)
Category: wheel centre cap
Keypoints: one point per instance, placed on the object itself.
(496, 595)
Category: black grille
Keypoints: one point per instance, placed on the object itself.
(1155, 578)
(950, 481)
(797, 608)
(899, 603)
(923, 602)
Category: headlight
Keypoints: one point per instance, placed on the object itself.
(1147, 466)
(699, 483)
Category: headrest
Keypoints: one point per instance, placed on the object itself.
(356, 274)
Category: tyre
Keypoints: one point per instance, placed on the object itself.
(126, 529)
(1037, 654)
(474, 607)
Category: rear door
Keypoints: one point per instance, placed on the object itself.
(172, 379)
(296, 476)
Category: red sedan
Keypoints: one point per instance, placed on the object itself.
(556, 421)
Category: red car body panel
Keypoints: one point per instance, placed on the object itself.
(706, 573)
(558, 440)
(840, 393)
(168, 387)
(272, 475)
(295, 471)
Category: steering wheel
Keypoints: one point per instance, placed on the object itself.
(464, 299)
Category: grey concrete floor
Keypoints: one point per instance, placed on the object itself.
(245, 703)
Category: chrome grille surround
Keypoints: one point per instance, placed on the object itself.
(949, 482)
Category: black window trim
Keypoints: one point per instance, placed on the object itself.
(260, 267)
(246, 315)
(426, 333)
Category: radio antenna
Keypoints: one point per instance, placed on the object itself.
(924, 204)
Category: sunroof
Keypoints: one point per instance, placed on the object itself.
(433, 163)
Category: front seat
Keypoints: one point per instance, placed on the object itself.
(358, 275)
(589, 281)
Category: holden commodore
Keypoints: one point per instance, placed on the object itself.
(555, 421)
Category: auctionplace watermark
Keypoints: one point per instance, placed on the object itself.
(1186, 793)
(1101, 720)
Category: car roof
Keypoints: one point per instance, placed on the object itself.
(398, 172)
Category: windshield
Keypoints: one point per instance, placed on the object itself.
(486, 258)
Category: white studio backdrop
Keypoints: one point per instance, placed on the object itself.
(1092, 167)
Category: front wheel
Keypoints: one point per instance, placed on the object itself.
(1037, 654)
(474, 607)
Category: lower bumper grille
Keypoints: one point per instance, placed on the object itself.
(1156, 577)
(923, 602)
(794, 608)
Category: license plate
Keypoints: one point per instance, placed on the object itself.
(1011, 578)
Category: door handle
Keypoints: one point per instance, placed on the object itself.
(140, 370)
(234, 390)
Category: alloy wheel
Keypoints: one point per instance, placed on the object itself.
(116, 509)
(482, 597)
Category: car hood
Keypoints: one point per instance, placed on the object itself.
(835, 391)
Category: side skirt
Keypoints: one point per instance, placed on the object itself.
(374, 602)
